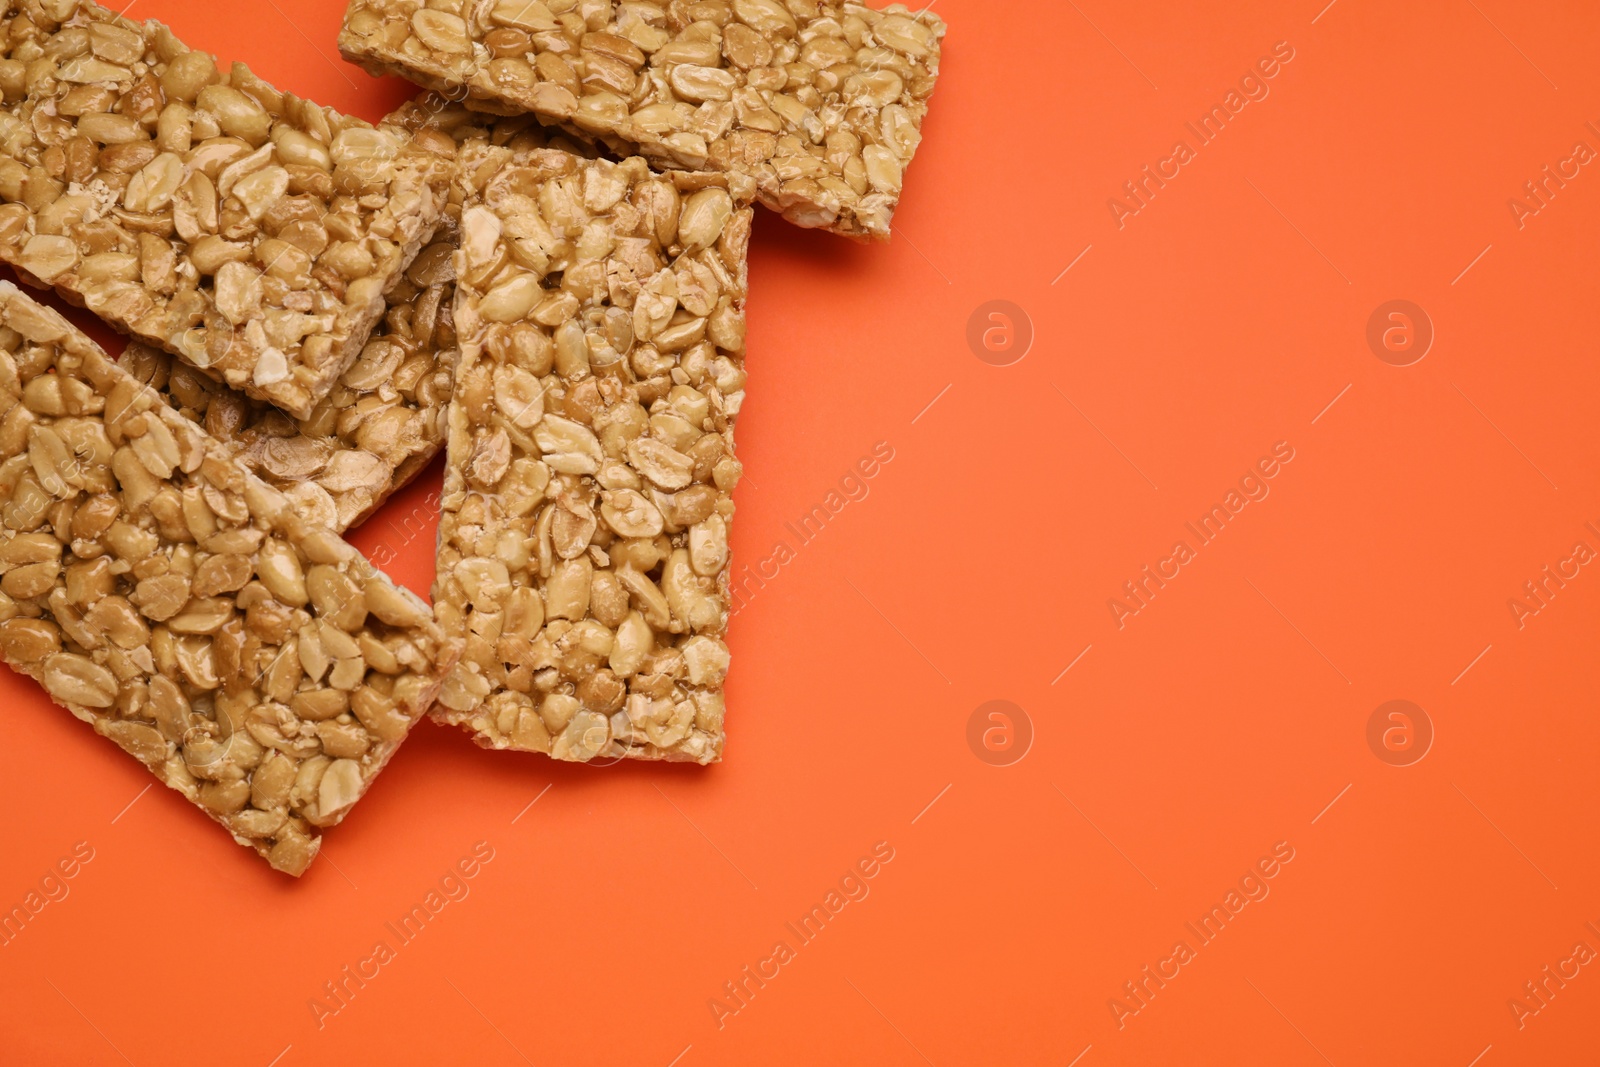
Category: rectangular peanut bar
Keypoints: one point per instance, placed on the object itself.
(385, 420)
(583, 541)
(253, 662)
(247, 230)
(820, 102)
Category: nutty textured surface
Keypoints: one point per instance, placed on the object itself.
(385, 420)
(376, 431)
(252, 661)
(583, 541)
(443, 126)
(820, 102)
(245, 229)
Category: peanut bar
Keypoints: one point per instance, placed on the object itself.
(246, 230)
(820, 102)
(378, 429)
(252, 661)
(384, 421)
(583, 541)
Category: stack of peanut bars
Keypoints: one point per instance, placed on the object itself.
(538, 264)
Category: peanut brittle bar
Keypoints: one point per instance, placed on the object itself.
(379, 427)
(583, 541)
(385, 419)
(252, 661)
(820, 102)
(244, 229)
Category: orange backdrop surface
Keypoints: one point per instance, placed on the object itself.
(1196, 831)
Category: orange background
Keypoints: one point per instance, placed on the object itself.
(1176, 752)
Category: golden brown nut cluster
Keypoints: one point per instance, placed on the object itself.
(342, 299)
(384, 420)
(821, 103)
(371, 435)
(584, 536)
(254, 662)
(247, 230)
